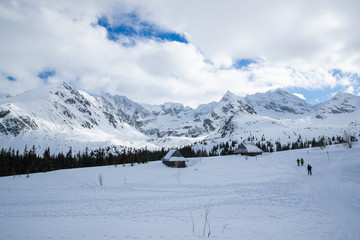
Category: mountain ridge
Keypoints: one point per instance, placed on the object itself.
(61, 116)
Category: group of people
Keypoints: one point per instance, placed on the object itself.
(309, 167)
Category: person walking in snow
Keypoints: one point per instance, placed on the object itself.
(298, 162)
(302, 162)
(309, 169)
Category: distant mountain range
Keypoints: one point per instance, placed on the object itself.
(59, 116)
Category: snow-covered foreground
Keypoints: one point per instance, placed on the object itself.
(268, 197)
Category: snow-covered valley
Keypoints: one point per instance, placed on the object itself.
(263, 197)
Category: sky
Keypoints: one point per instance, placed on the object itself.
(185, 51)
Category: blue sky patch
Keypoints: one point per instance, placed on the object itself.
(46, 74)
(315, 96)
(11, 79)
(354, 77)
(132, 27)
(243, 63)
(337, 72)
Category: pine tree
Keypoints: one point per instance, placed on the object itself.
(69, 159)
(48, 161)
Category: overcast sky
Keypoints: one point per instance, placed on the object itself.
(186, 51)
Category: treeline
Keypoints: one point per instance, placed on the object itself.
(321, 142)
(229, 147)
(12, 162)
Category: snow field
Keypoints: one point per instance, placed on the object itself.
(264, 197)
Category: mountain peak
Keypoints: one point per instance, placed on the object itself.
(343, 95)
(279, 91)
(228, 95)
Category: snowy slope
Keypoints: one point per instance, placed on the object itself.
(59, 116)
(3, 95)
(264, 197)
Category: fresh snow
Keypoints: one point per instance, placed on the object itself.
(263, 197)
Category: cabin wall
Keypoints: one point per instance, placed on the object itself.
(251, 153)
(177, 164)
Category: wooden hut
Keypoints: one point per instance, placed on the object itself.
(248, 149)
(174, 159)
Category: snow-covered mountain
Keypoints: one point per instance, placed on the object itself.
(60, 116)
(341, 103)
(280, 103)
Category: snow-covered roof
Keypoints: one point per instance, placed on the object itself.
(252, 148)
(169, 154)
(248, 148)
(173, 156)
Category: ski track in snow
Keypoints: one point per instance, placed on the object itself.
(267, 197)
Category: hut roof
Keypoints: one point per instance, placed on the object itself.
(245, 148)
(174, 156)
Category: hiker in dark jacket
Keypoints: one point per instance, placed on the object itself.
(309, 169)
(298, 162)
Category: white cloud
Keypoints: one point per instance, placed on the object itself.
(349, 89)
(300, 95)
(298, 42)
(281, 31)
